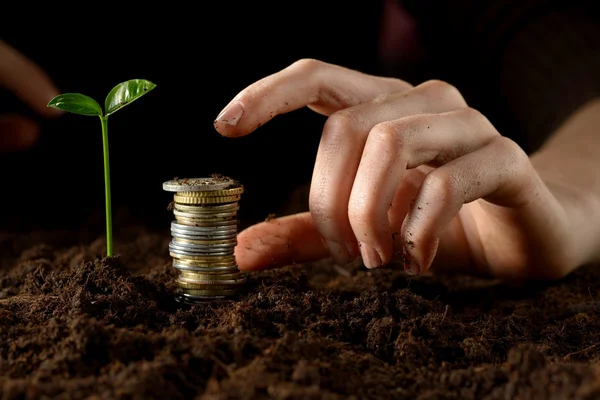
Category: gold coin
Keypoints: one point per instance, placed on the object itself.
(206, 271)
(214, 193)
(209, 284)
(217, 241)
(204, 258)
(205, 200)
(210, 293)
(207, 208)
(189, 276)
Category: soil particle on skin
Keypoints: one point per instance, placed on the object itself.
(77, 326)
(270, 217)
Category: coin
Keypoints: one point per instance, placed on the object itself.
(229, 260)
(205, 200)
(199, 285)
(204, 237)
(207, 208)
(192, 255)
(205, 221)
(200, 296)
(205, 215)
(216, 193)
(200, 184)
(193, 275)
(206, 242)
(177, 252)
(206, 271)
(191, 229)
(201, 248)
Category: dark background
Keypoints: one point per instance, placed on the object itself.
(201, 55)
(199, 58)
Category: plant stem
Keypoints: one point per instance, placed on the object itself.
(109, 244)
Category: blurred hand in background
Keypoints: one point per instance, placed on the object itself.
(26, 80)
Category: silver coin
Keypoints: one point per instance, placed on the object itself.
(205, 242)
(184, 253)
(232, 269)
(202, 247)
(196, 229)
(213, 233)
(206, 223)
(205, 252)
(200, 250)
(214, 245)
(216, 238)
(203, 236)
(214, 228)
(199, 184)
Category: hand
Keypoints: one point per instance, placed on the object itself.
(403, 173)
(29, 83)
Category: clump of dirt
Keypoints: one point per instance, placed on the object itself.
(74, 325)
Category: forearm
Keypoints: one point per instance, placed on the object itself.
(569, 164)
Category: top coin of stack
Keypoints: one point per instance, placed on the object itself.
(204, 235)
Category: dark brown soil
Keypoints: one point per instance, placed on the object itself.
(76, 326)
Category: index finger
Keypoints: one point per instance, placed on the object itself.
(26, 80)
(324, 88)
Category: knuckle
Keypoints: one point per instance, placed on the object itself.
(386, 134)
(444, 91)
(399, 134)
(359, 214)
(307, 65)
(442, 184)
(474, 116)
(478, 122)
(512, 152)
(339, 124)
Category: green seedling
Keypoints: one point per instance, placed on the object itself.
(120, 96)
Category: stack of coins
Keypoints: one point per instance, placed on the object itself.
(204, 235)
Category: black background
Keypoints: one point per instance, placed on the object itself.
(200, 56)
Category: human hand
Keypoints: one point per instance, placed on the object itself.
(29, 83)
(403, 173)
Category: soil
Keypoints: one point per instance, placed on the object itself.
(74, 325)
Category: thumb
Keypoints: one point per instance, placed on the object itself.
(17, 133)
(279, 242)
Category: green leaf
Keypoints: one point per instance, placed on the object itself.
(77, 104)
(125, 93)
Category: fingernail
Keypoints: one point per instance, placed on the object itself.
(338, 252)
(231, 114)
(411, 267)
(370, 256)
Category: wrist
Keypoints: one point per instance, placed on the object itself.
(580, 204)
